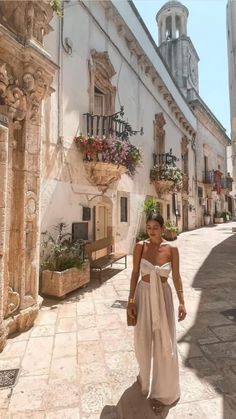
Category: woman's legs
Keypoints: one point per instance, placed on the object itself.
(143, 335)
(165, 380)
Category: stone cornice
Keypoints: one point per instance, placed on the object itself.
(209, 122)
(150, 70)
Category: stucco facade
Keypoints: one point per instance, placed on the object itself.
(145, 89)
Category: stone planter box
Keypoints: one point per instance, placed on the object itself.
(103, 174)
(58, 284)
(163, 186)
(218, 220)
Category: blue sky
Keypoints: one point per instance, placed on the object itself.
(207, 30)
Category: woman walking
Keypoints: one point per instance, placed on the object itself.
(150, 300)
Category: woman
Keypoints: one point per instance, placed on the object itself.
(151, 301)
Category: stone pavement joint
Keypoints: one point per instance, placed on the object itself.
(78, 360)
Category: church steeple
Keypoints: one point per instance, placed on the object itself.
(176, 47)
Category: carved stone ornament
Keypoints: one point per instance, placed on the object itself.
(13, 302)
(102, 65)
(102, 174)
(27, 19)
(163, 186)
(31, 205)
(19, 99)
(4, 81)
(159, 126)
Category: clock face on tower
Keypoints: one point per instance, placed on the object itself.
(193, 70)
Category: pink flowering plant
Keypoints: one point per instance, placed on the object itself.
(112, 150)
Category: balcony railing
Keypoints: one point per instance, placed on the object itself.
(208, 177)
(226, 183)
(109, 126)
(164, 159)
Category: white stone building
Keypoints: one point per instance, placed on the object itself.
(231, 38)
(211, 178)
(107, 59)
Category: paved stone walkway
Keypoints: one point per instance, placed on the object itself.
(78, 361)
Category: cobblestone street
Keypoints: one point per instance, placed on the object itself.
(78, 362)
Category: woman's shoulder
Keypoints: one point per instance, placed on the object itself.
(140, 244)
(169, 244)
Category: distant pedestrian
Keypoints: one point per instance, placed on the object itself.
(150, 301)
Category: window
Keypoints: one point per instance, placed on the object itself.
(205, 164)
(168, 211)
(200, 192)
(123, 209)
(98, 102)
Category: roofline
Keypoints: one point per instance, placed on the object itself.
(200, 101)
(135, 10)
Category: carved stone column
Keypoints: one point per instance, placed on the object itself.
(26, 73)
(3, 212)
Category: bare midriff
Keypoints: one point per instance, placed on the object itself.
(146, 278)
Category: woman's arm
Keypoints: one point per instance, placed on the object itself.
(178, 282)
(136, 269)
(134, 279)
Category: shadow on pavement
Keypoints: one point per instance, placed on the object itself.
(212, 338)
(132, 405)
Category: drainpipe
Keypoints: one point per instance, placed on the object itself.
(65, 45)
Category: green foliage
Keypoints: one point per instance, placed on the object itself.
(171, 226)
(226, 215)
(60, 253)
(56, 7)
(141, 236)
(151, 205)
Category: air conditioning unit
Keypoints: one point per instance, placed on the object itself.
(202, 201)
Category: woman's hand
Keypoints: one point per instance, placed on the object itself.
(132, 311)
(181, 312)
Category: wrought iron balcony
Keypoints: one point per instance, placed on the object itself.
(164, 159)
(208, 177)
(226, 183)
(109, 126)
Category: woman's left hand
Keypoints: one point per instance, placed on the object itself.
(181, 312)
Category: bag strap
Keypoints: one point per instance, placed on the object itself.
(141, 254)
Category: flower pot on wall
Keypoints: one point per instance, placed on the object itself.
(58, 284)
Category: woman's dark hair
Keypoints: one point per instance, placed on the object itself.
(155, 216)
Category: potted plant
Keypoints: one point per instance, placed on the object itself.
(167, 173)
(218, 219)
(207, 218)
(62, 263)
(151, 205)
(226, 215)
(171, 230)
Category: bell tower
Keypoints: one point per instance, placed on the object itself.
(176, 48)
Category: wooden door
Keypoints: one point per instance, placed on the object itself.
(100, 225)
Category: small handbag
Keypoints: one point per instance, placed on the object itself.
(130, 320)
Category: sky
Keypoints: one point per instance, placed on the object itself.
(207, 30)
